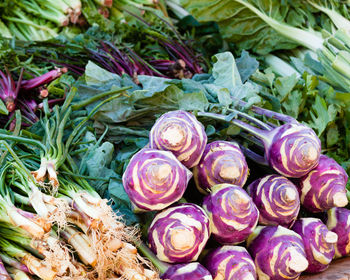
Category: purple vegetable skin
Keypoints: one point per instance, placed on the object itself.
(43, 79)
(221, 162)
(232, 213)
(324, 187)
(155, 179)
(188, 271)
(318, 242)
(338, 221)
(9, 90)
(180, 133)
(231, 263)
(178, 234)
(292, 149)
(278, 253)
(277, 199)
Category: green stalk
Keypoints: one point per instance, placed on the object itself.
(4, 31)
(280, 67)
(302, 37)
(145, 251)
(97, 97)
(339, 21)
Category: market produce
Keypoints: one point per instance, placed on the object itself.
(318, 242)
(231, 263)
(107, 106)
(187, 271)
(292, 149)
(72, 212)
(277, 199)
(324, 187)
(178, 234)
(233, 215)
(155, 179)
(221, 162)
(337, 222)
(278, 253)
(180, 133)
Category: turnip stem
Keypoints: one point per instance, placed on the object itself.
(161, 266)
(251, 119)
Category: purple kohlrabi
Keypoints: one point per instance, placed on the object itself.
(178, 234)
(180, 133)
(292, 149)
(324, 187)
(277, 199)
(338, 221)
(278, 253)
(232, 213)
(230, 263)
(318, 242)
(155, 179)
(221, 162)
(187, 271)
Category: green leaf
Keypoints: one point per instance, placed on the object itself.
(322, 115)
(3, 109)
(292, 104)
(224, 97)
(332, 136)
(193, 102)
(284, 85)
(225, 72)
(94, 74)
(246, 65)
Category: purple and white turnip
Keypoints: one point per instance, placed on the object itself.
(318, 242)
(178, 234)
(230, 263)
(324, 187)
(338, 221)
(182, 134)
(155, 179)
(278, 253)
(232, 213)
(277, 199)
(222, 162)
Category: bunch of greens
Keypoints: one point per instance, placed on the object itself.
(268, 26)
(129, 118)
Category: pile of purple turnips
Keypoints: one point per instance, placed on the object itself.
(257, 226)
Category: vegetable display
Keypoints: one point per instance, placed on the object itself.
(318, 242)
(180, 133)
(278, 253)
(131, 149)
(277, 199)
(222, 162)
(178, 234)
(231, 262)
(324, 187)
(232, 213)
(155, 179)
(337, 222)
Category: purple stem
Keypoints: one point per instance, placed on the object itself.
(87, 220)
(251, 119)
(4, 275)
(268, 113)
(26, 214)
(14, 263)
(43, 79)
(254, 156)
(265, 136)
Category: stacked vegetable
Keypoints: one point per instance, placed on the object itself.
(284, 246)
